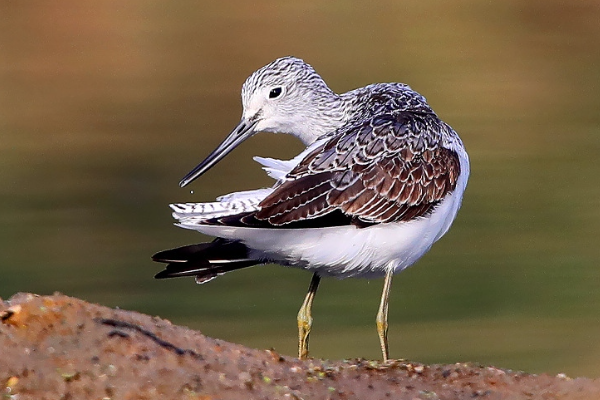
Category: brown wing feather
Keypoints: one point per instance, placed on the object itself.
(384, 170)
(302, 198)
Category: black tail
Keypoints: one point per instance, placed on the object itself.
(205, 261)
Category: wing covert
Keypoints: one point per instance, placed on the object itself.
(391, 168)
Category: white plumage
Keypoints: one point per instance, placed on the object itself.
(381, 180)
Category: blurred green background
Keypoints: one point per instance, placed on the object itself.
(104, 106)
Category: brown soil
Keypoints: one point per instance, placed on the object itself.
(59, 347)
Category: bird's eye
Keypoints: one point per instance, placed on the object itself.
(275, 92)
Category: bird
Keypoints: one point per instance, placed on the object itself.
(380, 180)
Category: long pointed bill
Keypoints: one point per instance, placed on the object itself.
(241, 132)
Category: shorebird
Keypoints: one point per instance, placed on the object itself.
(381, 179)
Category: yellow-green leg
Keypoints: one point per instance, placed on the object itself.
(382, 316)
(305, 317)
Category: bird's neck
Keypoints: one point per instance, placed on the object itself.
(329, 114)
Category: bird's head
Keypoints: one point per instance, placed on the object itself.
(285, 96)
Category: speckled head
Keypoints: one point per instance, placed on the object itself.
(285, 96)
(288, 96)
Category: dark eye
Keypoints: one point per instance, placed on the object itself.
(275, 92)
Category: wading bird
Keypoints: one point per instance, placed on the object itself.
(382, 179)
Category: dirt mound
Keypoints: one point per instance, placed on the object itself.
(59, 347)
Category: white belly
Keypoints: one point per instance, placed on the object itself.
(348, 251)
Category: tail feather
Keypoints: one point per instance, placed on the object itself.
(205, 261)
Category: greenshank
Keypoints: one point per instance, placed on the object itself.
(381, 180)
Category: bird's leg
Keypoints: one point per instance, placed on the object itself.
(382, 315)
(305, 317)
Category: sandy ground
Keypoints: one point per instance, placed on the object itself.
(59, 347)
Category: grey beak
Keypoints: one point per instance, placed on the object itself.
(243, 131)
